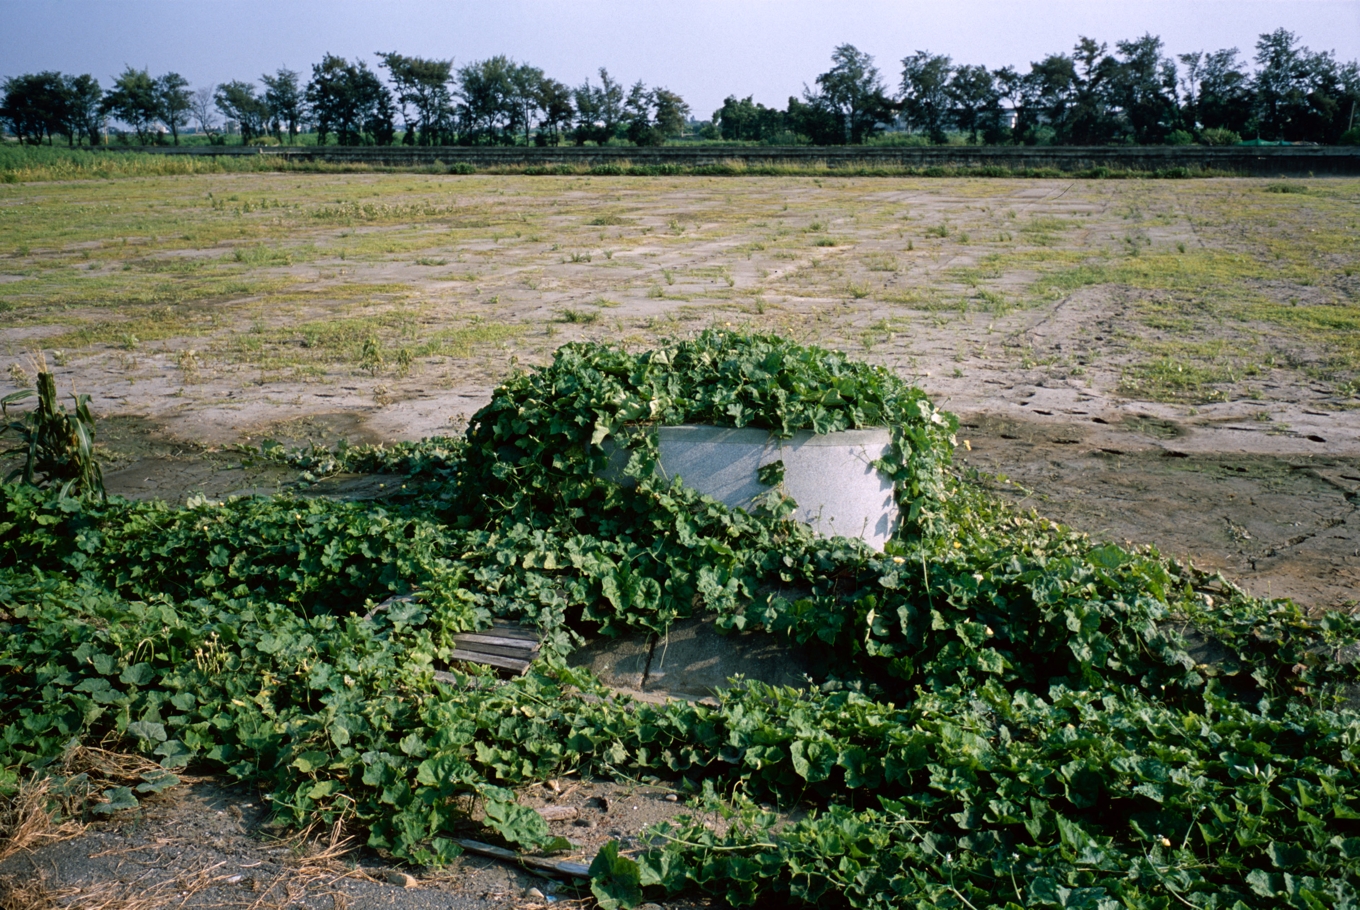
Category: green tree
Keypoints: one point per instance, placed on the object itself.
(173, 102)
(975, 103)
(1190, 87)
(83, 114)
(489, 110)
(1011, 89)
(379, 113)
(671, 113)
(1091, 118)
(812, 118)
(1300, 96)
(599, 110)
(328, 96)
(349, 100)
(1047, 93)
(1143, 86)
(926, 100)
(1218, 92)
(284, 101)
(554, 100)
(853, 89)
(738, 120)
(424, 94)
(34, 106)
(652, 116)
(133, 100)
(525, 92)
(237, 101)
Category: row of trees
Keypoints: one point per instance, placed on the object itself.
(489, 102)
(1137, 94)
(43, 105)
(1091, 96)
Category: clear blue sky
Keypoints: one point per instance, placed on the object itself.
(704, 49)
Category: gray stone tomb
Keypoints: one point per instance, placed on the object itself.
(831, 477)
(838, 491)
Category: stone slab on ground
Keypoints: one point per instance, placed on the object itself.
(619, 662)
(694, 660)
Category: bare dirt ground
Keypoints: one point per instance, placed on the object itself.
(1172, 363)
(208, 844)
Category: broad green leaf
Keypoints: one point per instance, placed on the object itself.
(615, 880)
(154, 732)
(116, 800)
(517, 824)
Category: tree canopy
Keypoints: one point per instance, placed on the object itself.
(424, 92)
(1135, 93)
(348, 100)
(134, 100)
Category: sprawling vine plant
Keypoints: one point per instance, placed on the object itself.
(1008, 714)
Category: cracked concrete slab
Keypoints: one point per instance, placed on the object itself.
(694, 660)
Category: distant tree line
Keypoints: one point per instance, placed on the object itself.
(425, 102)
(1134, 95)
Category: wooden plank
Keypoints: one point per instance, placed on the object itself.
(516, 653)
(469, 639)
(510, 630)
(491, 660)
(492, 638)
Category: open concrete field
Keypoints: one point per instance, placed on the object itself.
(1175, 362)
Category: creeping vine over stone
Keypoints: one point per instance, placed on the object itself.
(1005, 713)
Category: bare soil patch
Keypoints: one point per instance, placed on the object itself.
(207, 844)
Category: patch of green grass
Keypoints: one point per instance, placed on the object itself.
(51, 301)
(1193, 371)
(993, 301)
(1031, 259)
(1209, 271)
(98, 258)
(390, 341)
(1047, 225)
(159, 325)
(22, 164)
(1173, 379)
(261, 256)
(1333, 330)
(578, 317)
(975, 275)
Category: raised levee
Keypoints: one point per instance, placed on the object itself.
(1247, 161)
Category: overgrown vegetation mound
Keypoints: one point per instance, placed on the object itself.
(531, 482)
(1011, 714)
